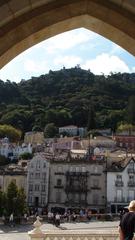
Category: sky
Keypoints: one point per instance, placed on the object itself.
(80, 46)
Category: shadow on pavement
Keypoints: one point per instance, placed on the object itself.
(16, 228)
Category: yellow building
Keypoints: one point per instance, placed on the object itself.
(34, 137)
(14, 173)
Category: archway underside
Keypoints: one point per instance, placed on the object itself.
(45, 21)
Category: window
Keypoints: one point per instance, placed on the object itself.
(72, 169)
(31, 175)
(77, 169)
(131, 178)
(119, 177)
(83, 197)
(83, 169)
(131, 195)
(96, 183)
(95, 169)
(59, 182)
(38, 165)
(43, 200)
(76, 197)
(59, 169)
(43, 188)
(95, 199)
(58, 197)
(44, 165)
(44, 175)
(30, 199)
(119, 195)
(36, 187)
(37, 175)
(30, 187)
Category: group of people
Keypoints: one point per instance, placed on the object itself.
(54, 218)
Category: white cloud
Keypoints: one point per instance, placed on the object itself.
(67, 61)
(35, 66)
(133, 69)
(105, 63)
(68, 40)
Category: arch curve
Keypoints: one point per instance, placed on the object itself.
(37, 23)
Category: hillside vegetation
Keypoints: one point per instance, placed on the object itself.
(68, 96)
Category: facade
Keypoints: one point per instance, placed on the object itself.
(12, 150)
(14, 173)
(37, 182)
(77, 183)
(72, 130)
(125, 141)
(34, 137)
(66, 144)
(120, 184)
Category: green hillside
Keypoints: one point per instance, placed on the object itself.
(68, 96)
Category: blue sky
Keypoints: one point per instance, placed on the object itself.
(68, 49)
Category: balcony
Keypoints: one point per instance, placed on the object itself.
(59, 186)
(85, 174)
(131, 184)
(119, 200)
(119, 184)
(76, 189)
(95, 188)
(131, 170)
(59, 173)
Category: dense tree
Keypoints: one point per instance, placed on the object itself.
(4, 160)
(26, 156)
(50, 130)
(126, 128)
(131, 110)
(62, 97)
(8, 131)
(15, 197)
(91, 117)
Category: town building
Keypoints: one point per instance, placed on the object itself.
(120, 184)
(34, 137)
(38, 182)
(13, 150)
(72, 130)
(125, 141)
(13, 173)
(77, 182)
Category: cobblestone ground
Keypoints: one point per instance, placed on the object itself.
(21, 232)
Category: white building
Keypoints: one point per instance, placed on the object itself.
(72, 130)
(120, 184)
(38, 181)
(13, 150)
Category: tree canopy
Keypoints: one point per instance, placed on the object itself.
(63, 98)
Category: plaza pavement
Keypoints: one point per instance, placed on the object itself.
(20, 232)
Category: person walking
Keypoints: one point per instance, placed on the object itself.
(11, 220)
(57, 220)
(127, 223)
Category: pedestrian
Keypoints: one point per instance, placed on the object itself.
(127, 223)
(57, 219)
(11, 220)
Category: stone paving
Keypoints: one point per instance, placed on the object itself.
(21, 232)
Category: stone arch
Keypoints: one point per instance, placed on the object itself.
(107, 18)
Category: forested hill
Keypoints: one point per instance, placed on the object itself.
(68, 96)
